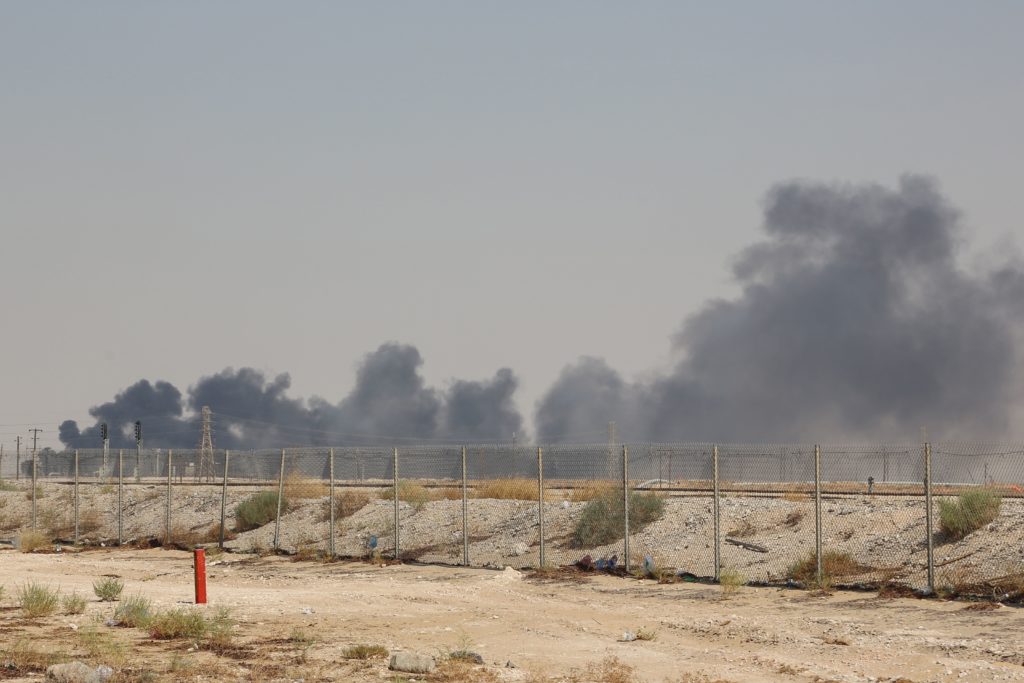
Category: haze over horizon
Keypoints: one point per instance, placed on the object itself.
(671, 216)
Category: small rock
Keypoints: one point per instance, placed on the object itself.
(509, 665)
(412, 663)
(307, 610)
(74, 672)
(628, 637)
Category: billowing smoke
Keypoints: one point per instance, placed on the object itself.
(483, 410)
(856, 320)
(389, 401)
(158, 405)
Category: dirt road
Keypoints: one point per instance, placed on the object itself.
(295, 619)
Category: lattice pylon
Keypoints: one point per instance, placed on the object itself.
(205, 470)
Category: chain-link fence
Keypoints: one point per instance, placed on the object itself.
(949, 517)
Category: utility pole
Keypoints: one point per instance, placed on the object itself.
(17, 460)
(35, 436)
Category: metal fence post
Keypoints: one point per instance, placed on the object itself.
(330, 490)
(716, 513)
(817, 512)
(223, 499)
(167, 515)
(394, 454)
(625, 505)
(540, 500)
(280, 497)
(120, 496)
(76, 496)
(928, 515)
(465, 512)
(34, 468)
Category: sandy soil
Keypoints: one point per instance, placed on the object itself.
(542, 627)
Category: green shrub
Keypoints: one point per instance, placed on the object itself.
(834, 563)
(257, 510)
(134, 612)
(37, 600)
(969, 512)
(73, 604)
(602, 519)
(108, 589)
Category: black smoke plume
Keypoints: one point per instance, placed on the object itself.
(390, 402)
(856, 320)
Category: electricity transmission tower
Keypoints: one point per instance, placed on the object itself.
(205, 469)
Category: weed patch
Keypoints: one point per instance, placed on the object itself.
(108, 589)
(365, 652)
(31, 541)
(970, 511)
(511, 488)
(134, 612)
(410, 492)
(72, 604)
(834, 564)
(602, 520)
(37, 600)
(257, 510)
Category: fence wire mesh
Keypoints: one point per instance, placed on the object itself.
(498, 505)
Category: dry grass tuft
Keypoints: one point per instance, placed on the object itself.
(588, 491)
(73, 604)
(346, 504)
(609, 670)
(795, 497)
(37, 600)
(300, 487)
(510, 488)
(24, 658)
(134, 612)
(363, 651)
(834, 564)
(457, 670)
(33, 540)
(410, 492)
(108, 588)
(731, 580)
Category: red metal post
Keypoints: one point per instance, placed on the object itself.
(199, 556)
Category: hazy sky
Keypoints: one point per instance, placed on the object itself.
(193, 185)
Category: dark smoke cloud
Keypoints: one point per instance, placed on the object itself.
(389, 402)
(483, 410)
(159, 405)
(855, 321)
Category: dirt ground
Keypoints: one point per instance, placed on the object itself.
(295, 620)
